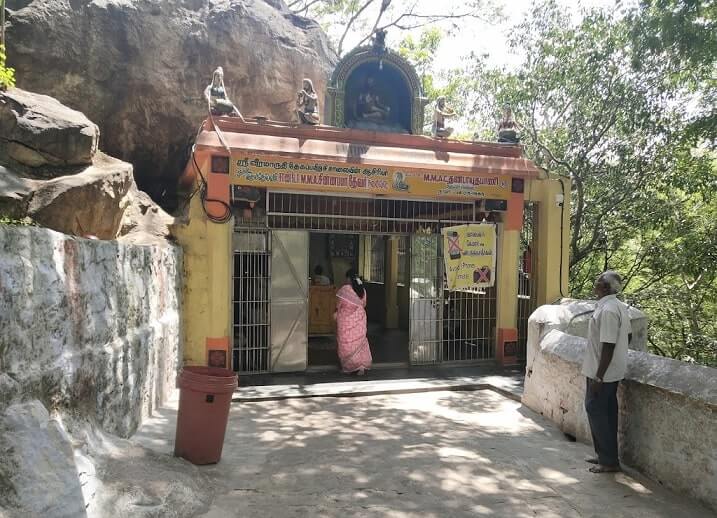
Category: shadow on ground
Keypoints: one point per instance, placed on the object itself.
(432, 454)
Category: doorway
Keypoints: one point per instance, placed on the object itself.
(381, 260)
(283, 316)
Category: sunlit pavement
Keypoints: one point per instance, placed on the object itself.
(429, 454)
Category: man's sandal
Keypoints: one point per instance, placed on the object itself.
(604, 469)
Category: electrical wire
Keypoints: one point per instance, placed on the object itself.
(188, 199)
(203, 196)
(202, 187)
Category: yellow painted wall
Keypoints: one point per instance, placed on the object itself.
(208, 267)
(206, 311)
(548, 251)
(507, 278)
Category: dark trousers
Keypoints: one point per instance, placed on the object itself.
(601, 407)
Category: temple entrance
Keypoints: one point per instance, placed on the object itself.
(381, 261)
(292, 259)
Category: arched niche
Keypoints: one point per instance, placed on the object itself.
(394, 81)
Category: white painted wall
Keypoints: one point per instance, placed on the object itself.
(88, 326)
(668, 409)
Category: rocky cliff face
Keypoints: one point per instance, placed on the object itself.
(90, 338)
(52, 173)
(138, 68)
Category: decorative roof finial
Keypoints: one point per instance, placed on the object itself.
(379, 41)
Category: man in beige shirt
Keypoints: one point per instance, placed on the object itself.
(604, 365)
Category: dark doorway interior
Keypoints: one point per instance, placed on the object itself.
(334, 254)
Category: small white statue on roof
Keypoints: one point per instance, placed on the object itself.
(217, 98)
(508, 128)
(307, 104)
(440, 114)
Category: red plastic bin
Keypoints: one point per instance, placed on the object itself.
(205, 395)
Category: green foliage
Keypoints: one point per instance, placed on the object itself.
(679, 38)
(7, 75)
(642, 199)
(421, 54)
(677, 285)
(357, 20)
(24, 222)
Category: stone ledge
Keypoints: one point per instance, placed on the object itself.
(691, 381)
(667, 407)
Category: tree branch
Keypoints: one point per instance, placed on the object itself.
(384, 5)
(350, 23)
(656, 347)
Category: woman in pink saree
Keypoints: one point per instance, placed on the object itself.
(353, 348)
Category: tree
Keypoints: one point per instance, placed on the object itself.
(2, 23)
(684, 302)
(7, 75)
(679, 37)
(623, 132)
(342, 18)
(421, 54)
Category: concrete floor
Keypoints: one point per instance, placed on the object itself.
(485, 373)
(430, 454)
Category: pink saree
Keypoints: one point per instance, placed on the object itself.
(354, 352)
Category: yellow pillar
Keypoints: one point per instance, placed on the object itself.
(552, 242)
(219, 237)
(507, 294)
(391, 282)
(206, 297)
(362, 256)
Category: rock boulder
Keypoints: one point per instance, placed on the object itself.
(39, 462)
(51, 172)
(101, 201)
(139, 68)
(37, 132)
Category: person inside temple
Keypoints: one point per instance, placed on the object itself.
(508, 128)
(440, 114)
(319, 279)
(307, 104)
(217, 99)
(368, 104)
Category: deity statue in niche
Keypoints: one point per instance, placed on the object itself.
(508, 128)
(216, 95)
(307, 104)
(369, 106)
(441, 113)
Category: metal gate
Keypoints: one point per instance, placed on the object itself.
(425, 299)
(251, 301)
(289, 300)
(469, 325)
(355, 214)
(527, 301)
(446, 326)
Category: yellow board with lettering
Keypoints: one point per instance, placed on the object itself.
(469, 256)
(316, 175)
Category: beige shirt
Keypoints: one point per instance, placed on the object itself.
(321, 280)
(610, 323)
